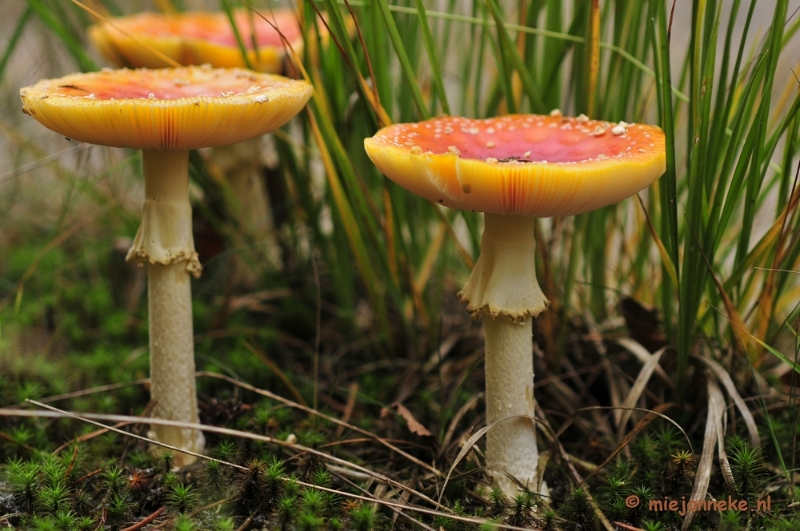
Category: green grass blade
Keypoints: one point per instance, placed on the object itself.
(504, 78)
(694, 275)
(668, 183)
(341, 36)
(14, 39)
(402, 56)
(228, 10)
(427, 37)
(756, 175)
(58, 25)
(510, 51)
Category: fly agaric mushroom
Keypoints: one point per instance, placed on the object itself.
(515, 169)
(194, 38)
(166, 113)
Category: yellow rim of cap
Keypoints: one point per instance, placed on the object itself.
(514, 188)
(264, 103)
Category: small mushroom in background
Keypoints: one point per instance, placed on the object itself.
(166, 113)
(514, 169)
(195, 38)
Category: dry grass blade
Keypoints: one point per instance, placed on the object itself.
(726, 380)
(42, 161)
(276, 370)
(765, 305)
(87, 437)
(352, 392)
(724, 465)
(431, 256)
(570, 402)
(370, 89)
(171, 62)
(140, 524)
(716, 407)
(654, 412)
(87, 417)
(778, 270)
(642, 424)
(638, 388)
(468, 405)
(550, 433)
(9, 438)
(614, 385)
(397, 512)
(90, 391)
(414, 426)
(662, 250)
(310, 411)
(122, 419)
(468, 447)
(643, 355)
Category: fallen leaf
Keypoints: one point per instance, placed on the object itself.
(413, 424)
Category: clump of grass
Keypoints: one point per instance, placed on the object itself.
(22, 476)
(363, 518)
(747, 467)
(577, 510)
(181, 498)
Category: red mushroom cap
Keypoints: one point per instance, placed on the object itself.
(520, 165)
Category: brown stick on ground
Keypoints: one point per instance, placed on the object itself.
(146, 521)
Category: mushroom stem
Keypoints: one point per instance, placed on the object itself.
(250, 207)
(172, 381)
(503, 281)
(164, 241)
(504, 288)
(510, 445)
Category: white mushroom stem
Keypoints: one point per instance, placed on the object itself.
(504, 288)
(250, 206)
(510, 445)
(172, 381)
(164, 241)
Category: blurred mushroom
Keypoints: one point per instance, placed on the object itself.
(165, 113)
(514, 169)
(194, 38)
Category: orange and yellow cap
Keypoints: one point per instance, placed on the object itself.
(168, 109)
(520, 165)
(196, 38)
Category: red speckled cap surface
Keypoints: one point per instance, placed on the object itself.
(520, 165)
